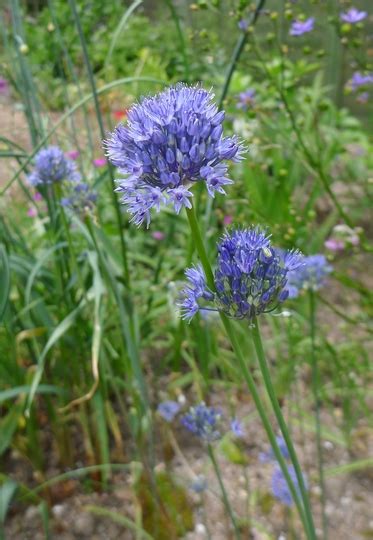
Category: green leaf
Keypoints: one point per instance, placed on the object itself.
(4, 280)
(7, 491)
(57, 333)
(119, 29)
(232, 451)
(19, 390)
(8, 426)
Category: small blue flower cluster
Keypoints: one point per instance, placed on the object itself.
(280, 488)
(250, 278)
(51, 166)
(81, 198)
(203, 421)
(311, 276)
(171, 141)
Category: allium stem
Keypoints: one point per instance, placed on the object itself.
(281, 421)
(223, 491)
(102, 132)
(305, 518)
(196, 234)
(241, 42)
(316, 395)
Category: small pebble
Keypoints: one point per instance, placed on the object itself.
(58, 510)
(200, 529)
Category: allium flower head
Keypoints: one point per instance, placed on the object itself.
(298, 28)
(203, 421)
(359, 80)
(171, 141)
(199, 485)
(250, 277)
(280, 488)
(51, 165)
(168, 410)
(81, 198)
(246, 98)
(310, 276)
(353, 16)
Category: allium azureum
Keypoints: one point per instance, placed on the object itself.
(311, 276)
(250, 277)
(203, 421)
(80, 198)
(280, 488)
(51, 166)
(171, 141)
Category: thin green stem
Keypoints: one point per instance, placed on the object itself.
(180, 35)
(223, 491)
(196, 233)
(307, 523)
(280, 419)
(102, 132)
(316, 395)
(241, 42)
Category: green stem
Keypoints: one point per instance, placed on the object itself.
(307, 524)
(180, 35)
(315, 390)
(223, 491)
(241, 42)
(280, 419)
(102, 132)
(196, 234)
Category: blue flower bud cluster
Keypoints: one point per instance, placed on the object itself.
(52, 166)
(203, 421)
(280, 488)
(170, 142)
(250, 277)
(310, 276)
(80, 198)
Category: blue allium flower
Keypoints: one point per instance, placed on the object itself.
(171, 141)
(51, 165)
(168, 410)
(203, 421)
(250, 277)
(80, 198)
(353, 16)
(280, 488)
(311, 276)
(245, 98)
(199, 485)
(298, 28)
(269, 456)
(359, 80)
(243, 24)
(237, 428)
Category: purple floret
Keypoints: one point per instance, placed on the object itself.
(353, 16)
(298, 28)
(310, 276)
